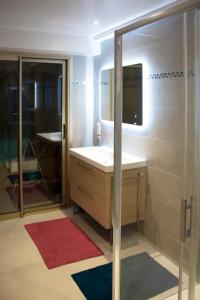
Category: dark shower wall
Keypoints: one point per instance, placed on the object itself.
(42, 99)
(8, 110)
(43, 116)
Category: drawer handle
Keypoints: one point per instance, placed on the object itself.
(85, 193)
(89, 170)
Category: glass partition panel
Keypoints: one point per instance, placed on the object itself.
(192, 30)
(152, 209)
(42, 133)
(9, 194)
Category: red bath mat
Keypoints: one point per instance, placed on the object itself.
(61, 242)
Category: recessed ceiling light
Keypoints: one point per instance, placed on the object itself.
(95, 22)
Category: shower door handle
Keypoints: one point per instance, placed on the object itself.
(64, 132)
(185, 229)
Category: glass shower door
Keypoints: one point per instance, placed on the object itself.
(9, 195)
(192, 29)
(152, 266)
(42, 132)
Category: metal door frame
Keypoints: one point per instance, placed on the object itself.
(23, 59)
(12, 57)
(167, 11)
(49, 58)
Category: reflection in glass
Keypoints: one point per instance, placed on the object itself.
(9, 196)
(42, 126)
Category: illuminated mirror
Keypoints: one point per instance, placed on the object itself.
(132, 95)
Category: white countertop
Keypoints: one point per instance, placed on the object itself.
(54, 137)
(101, 157)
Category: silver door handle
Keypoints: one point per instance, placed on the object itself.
(186, 231)
(64, 132)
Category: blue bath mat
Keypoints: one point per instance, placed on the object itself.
(27, 176)
(141, 278)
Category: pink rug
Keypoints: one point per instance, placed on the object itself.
(62, 242)
(31, 195)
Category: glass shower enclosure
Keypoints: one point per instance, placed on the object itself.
(32, 134)
(165, 259)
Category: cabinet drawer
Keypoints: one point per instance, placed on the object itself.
(89, 176)
(91, 203)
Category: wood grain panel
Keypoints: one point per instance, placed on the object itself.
(92, 189)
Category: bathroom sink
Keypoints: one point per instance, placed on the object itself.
(53, 137)
(101, 157)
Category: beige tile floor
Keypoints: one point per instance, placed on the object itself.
(24, 276)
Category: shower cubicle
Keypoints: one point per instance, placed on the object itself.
(32, 133)
(167, 44)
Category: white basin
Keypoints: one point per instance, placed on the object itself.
(53, 137)
(102, 158)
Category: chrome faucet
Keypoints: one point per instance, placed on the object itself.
(99, 138)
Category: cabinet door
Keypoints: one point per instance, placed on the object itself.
(133, 195)
(129, 200)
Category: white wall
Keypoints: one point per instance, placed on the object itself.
(81, 101)
(13, 39)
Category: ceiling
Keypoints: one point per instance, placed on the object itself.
(74, 17)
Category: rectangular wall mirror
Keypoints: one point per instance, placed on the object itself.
(132, 95)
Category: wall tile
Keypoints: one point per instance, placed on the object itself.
(167, 125)
(168, 94)
(164, 186)
(166, 156)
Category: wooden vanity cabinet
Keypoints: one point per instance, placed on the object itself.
(92, 190)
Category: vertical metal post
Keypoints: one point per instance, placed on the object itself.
(20, 141)
(185, 152)
(64, 132)
(196, 190)
(117, 167)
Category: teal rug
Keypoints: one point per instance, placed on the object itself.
(27, 176)
(141, 278)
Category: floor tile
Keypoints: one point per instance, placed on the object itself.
(24, 275)
(36, 282)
